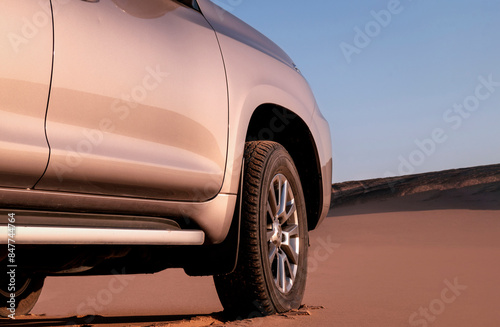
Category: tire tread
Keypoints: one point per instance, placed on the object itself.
(244, 292)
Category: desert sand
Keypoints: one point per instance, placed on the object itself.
(423, 251)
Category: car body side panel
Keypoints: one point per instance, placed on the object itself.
(260, 73)
(26, 52)
(138, 105)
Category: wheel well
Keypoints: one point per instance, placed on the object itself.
(274, 123)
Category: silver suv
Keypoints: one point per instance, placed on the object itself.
(143, 135)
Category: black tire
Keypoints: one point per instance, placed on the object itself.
(27, 292)
(256, 288)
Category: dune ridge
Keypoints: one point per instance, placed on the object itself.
(447, 180)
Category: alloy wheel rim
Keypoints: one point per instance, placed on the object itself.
(282, 233)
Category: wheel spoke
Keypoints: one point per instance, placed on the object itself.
(283, 200)
(270, 211)
(291, 211)
(291, 254)
(291, 231)
(272, 202)
(290, 272)
(281, 276)
(289, 245)
(273, 250)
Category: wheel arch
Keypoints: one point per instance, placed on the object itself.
(272, 122)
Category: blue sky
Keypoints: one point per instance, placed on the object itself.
(407, 86)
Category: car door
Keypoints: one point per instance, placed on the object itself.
(25, 68)
(138, 106)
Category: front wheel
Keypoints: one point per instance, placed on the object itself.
(271, 272)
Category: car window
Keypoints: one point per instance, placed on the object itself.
(190, 3)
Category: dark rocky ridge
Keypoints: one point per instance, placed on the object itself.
(454, 179)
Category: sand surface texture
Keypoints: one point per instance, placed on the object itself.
(414, 254)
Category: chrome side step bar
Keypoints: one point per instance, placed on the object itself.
(99, 236)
